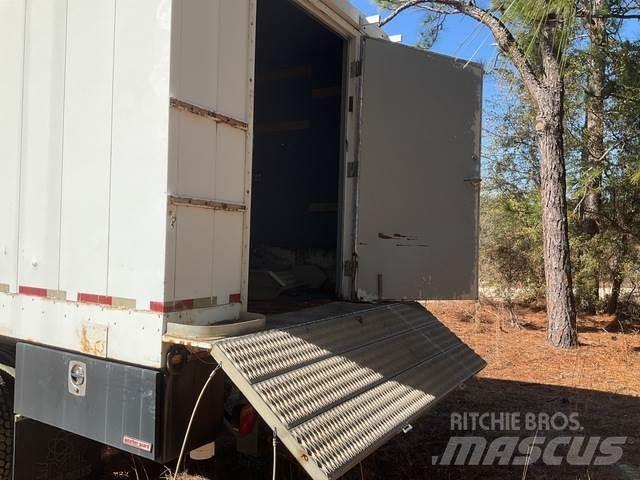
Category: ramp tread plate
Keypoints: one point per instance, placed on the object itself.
(336, 389)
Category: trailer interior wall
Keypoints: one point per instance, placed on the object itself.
(297, 146)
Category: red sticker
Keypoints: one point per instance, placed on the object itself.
(135, 443)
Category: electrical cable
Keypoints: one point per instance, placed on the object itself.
(193, 414)
(275, 453)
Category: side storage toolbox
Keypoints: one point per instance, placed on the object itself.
(135, 409)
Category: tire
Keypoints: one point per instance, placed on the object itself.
(6, 425)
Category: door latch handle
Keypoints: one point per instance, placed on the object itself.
(473, 180)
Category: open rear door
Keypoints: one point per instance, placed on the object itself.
(419, 169)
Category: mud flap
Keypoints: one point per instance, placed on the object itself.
(335, 389)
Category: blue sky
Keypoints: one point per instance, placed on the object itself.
(462, 38)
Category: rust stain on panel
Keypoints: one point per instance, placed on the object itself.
(204, 203)
(206, 113)
(91, 345)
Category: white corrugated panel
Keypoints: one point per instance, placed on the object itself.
(139, 150)
(210, 54)
(195, 53)
(230, 164)
(42, 127)
(208, 254)
(84, 204)
(195, 140)
(207, 159)
(194, 254)
(87, 147)
(227, 255)
(233, 61)
(11, 57)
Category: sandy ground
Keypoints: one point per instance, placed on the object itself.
(599, 383)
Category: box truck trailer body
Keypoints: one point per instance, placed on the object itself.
(166, 162)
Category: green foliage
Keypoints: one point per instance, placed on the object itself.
(624, 118)
(514, 165)
(511, 264)
(511, 246)
(511, 232)
(587, 255)
(529, 17)
(613, 251)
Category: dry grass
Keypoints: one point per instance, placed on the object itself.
(608, 359)
(600, 381)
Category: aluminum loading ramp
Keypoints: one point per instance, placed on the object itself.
(337, 388)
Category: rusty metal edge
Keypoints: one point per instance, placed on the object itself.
(184, 201)
(206, 113)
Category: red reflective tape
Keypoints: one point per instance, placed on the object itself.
(34, 291)
(235, 298)
(159, 307)
(91, 298)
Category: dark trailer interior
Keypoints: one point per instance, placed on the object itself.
(295, 201)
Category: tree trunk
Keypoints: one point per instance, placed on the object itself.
(561, 311)
(594, 142)
(614, 298)
(617, 277)
(597, 31)
(595, 136)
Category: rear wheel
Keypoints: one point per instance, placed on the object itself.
(6, 425)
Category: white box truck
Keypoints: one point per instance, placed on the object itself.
(167, 167)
